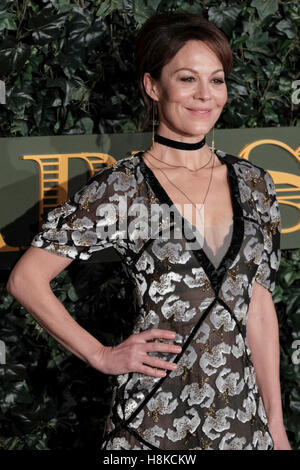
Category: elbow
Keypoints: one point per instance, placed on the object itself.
(8, 287)
(22, 283)
(13, 284)
(18, 282)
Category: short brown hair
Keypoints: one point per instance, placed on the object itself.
(161, 37)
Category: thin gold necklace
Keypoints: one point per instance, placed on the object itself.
(181, 166)
(183, 191)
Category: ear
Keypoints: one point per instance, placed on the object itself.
(151, 86)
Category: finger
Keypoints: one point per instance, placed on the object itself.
(157, 333)
(162, 347)
(144, 369)
(160, 363)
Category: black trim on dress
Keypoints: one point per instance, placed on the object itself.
(214, 275)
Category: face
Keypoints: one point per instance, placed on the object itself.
(192, 81)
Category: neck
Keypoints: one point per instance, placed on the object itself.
(191, 159)
(180, 145)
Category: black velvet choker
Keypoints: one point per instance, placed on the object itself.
(178, 145)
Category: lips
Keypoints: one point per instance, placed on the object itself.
(200, 112)
(199, 109)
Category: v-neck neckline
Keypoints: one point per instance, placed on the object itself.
(214, 274)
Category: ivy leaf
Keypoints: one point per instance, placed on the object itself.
(72, 294)
(69, 122)
(142, 11)
(63, 6)
(84, 30)
(37, 114)
(6, 4)
(269, 114)
(85, 124)
(16, 100)
(295, 400)
(7, 21)
(108, 7)
(238, 90)
(24, 395)
(237, 41)
(13, 55)
(46, 26)
(80, 93)
(65, 85)
(287, 27)
(19, 126)
(284, 85)
(70, 62)
(259, 42)
(272, 70)
(224, 16)
(6, 301)
(265, 8)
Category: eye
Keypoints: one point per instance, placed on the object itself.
(187, 79)
(218, 80)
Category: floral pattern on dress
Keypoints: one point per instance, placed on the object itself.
(211, 401)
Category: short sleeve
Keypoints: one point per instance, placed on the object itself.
(87, 222)
(271, 226)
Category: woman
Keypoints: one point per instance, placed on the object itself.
(201, 367)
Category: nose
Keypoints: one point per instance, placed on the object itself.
(202, 91)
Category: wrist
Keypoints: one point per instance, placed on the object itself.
(273, 411)
(275, 420)
(96, 358)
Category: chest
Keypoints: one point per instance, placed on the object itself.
(210, 191)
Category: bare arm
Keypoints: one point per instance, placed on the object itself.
(29, 283)
(263, 340)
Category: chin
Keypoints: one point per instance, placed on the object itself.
(192, 130)
(197, 136)
(203, 131)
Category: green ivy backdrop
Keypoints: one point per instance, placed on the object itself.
(69, 68)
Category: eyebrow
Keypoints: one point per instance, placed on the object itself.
(195, 71)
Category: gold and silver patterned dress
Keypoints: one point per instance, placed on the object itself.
(211, 401)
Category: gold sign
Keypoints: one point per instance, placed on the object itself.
(281, 177)
(54, 177)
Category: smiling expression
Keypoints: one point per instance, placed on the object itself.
(191, 91)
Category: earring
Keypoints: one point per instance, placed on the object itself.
(153, 119)
(213, 140)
